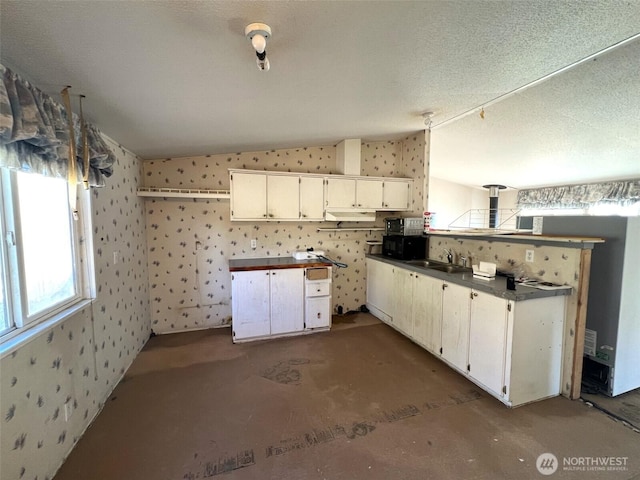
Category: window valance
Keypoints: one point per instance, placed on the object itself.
(622, 193)
(34, 133)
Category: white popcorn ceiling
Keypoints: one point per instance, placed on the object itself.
(178, 78)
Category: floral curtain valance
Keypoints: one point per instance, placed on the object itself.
(622, 193)
(34, 134)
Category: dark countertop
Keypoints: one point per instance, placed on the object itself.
(565, 241)
(272, 263)
(497, 286)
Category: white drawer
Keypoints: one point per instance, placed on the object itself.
(317, 289)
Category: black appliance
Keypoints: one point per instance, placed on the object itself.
(404, 247)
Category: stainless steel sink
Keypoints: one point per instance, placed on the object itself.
(450, 268)
(426, 263)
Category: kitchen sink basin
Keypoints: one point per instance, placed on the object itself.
(450, 268)
(426, 263)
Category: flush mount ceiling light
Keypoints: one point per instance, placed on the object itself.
(258, 34)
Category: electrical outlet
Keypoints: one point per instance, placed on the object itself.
(116, 257)
(528, 257)
(254, 243)
(68, 409)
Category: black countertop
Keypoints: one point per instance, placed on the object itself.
(496, 286)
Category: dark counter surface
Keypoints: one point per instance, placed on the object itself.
(272, 263)
(496, 286)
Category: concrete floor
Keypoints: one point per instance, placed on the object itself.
(360, 401)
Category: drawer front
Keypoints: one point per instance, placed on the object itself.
(317, 289)
(317, 312)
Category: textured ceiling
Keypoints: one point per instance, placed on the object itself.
(178, 78)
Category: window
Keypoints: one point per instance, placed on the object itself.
(41, 257)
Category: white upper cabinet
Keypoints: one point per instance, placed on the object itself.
(341, 193)
(369, 193)
(248, 196)
(311, 198)
(283, 197)
(397, 195)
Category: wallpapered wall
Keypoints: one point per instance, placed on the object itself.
(79, 361)
(551, 263)
(190, 287)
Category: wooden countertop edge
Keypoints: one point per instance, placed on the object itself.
(279, 266)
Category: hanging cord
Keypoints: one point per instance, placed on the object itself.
(332, 261)
(72, 171)
(85, 149)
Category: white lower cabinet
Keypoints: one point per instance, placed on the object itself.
(488, 340)
(286, 297)
(380, 289)
(402, 317)
(278, 302)
(455, 325)
(427, 312)
(317, 292)
(513, 350)
(251, 304)
(267, 302)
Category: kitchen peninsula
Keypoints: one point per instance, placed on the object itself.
(279, 296)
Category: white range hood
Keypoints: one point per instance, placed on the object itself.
(348, 163)
(350, 215)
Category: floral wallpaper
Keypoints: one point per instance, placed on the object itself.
(190, 241)
(53, 386)
(555, 264)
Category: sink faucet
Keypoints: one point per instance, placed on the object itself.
(449, 255)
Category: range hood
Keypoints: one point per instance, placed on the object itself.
(348, 163)
(350, 215)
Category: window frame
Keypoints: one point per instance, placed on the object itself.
(12, 253)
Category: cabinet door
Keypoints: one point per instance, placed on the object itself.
(369, 194)
(287, 300)
(341, 193)
(427, 312)
(312, 198)
(403, 300)
(250, 304)
(397, 195)
(380, 289)
(455, 325)
(283, 197)
(248, 196)
(318, 312)
(488, 340)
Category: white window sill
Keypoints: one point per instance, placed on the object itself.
(20, 337)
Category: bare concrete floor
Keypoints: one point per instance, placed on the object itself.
(358, 402)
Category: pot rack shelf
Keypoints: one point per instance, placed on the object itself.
(183, 193)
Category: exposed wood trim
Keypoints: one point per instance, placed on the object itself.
(580, 323)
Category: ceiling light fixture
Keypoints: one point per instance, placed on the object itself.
(258, 33)
(427, 116)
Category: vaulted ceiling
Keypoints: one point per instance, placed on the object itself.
(179, 78)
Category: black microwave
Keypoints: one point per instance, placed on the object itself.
(404, 247)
